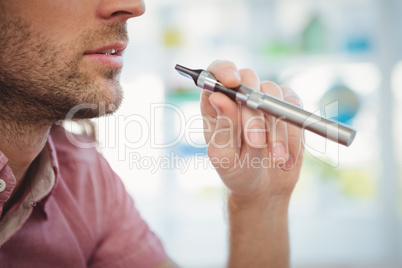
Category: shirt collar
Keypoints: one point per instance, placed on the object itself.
(3, 160)
(41, 180)
(50, 171)
(8, 181)
(38, 186)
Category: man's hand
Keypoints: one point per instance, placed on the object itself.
(258, 157)
(255, 154)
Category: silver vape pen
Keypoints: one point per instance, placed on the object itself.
(288, 112)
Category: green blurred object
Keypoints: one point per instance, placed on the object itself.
(182, 95)
(314, 36)
(357, 183)
(279, 49)
(352, 182)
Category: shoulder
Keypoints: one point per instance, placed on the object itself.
(90, 187)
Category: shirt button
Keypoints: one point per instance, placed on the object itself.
(2, 185)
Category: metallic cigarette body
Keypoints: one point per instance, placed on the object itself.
(285, 111)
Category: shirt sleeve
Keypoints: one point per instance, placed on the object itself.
(126, 241)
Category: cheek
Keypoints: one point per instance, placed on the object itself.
(59, 20)
(30, 54)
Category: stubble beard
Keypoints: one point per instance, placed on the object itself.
(39, 83)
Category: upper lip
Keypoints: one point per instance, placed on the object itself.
(118, 48)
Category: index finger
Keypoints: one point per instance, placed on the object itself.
(225, 72)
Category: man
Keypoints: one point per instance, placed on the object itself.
(62, 206)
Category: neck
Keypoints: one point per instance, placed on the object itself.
(21, 144)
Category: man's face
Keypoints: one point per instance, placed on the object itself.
(61, 53)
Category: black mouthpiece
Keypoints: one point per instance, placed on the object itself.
(193, 74)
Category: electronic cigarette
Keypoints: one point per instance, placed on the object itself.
(288, 112)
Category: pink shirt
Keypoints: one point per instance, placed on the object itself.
(73, 212)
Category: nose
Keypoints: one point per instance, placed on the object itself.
(120, 10)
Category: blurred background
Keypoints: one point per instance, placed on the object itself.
(342, 57)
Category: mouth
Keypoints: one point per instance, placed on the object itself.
(108, 56)
(110, 50)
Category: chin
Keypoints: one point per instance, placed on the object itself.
(97, 105)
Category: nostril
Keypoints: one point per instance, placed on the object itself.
(117, 13)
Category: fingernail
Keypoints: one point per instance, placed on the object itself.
(290, 163)
(257, 136)
(237, 74)
(278, 150)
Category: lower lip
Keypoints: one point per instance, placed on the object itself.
(111, 61)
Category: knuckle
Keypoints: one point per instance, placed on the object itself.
(249, 78)
(271, 88)
(269, 84)
(294, 100)
(248, 72)
(290, 96)
(221, 63)
(249, 75)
